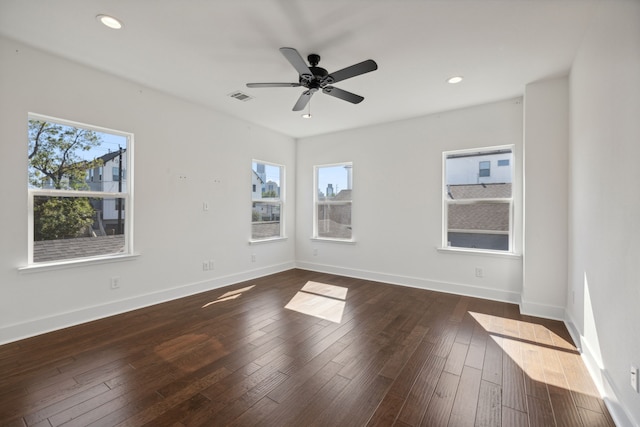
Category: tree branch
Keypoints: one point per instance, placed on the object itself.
(36, 145)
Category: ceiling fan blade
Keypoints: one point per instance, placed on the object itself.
(273, 84)
(304, 100)
(343, 94)
(296, 60)
(352, 71)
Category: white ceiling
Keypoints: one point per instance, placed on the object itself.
(203, 50)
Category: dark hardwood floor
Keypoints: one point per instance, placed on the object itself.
(383, 356)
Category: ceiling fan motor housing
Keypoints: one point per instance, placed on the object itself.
(314, 81)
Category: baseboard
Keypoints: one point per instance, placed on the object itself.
(542, 310)
(43, 325)
(415, 282)
(600, 376)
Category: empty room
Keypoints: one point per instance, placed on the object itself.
(303, 213)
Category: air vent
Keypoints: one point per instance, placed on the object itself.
(240, 96)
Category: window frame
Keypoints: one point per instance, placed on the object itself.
(126, 194)
(315, 233)
(280, 200)
(446, 201)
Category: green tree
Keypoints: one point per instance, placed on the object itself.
(55, 160)
(61, 217)
(54, 155)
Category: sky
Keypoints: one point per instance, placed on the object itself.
(335, 175)
(110, 143)
(272, 172)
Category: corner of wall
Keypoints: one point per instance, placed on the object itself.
(541, 310)
(600, 376)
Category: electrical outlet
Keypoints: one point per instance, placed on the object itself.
(479, 272)
(211, 264)
(115, 282)
(634, 378)
(205, 265)
(205, 206)
(253, 257)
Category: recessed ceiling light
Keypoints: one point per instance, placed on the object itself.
(455, 79)
(109, 21)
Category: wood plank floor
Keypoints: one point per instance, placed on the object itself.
(383, 355)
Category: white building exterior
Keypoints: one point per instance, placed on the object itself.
(470, 168)
(106, 178)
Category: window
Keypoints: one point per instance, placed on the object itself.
(332, 200)
(267, 200)
(478, 213)
(485, 169)
(73, 215)
(115, 173)
(504, 162)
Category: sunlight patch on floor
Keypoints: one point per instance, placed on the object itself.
(221, 300)
(229, 296)
(325, 290)
(320, 300)
(540, 353)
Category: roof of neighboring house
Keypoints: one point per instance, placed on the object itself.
(257, 176)
(50, 250)
(110, 156)
(266, 229)
(480, 191)
(479, 216)
(483, 216)
(343, 195)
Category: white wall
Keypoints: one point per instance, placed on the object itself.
(605, 200)
(397, 209)
(173, 235)
(546, 142)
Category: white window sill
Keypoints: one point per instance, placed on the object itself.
(269, 240)
(481, 252)
(79, 262)
(324, 239)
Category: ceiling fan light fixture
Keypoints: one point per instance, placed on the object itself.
(307, 115)
(109, 21)
(455, 79)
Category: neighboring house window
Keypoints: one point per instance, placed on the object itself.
(478, 215)
(267, 200)
(332, 201)
(485, 169)
(115, 172)
(73, 215)
(504, 162)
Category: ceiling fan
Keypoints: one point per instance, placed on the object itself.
(315, 78)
